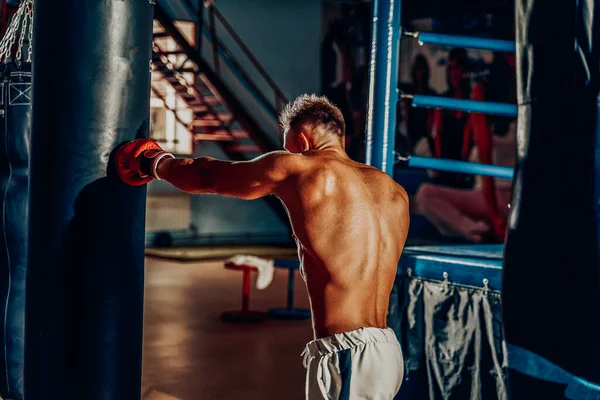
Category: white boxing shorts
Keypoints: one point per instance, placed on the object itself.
(365, 364)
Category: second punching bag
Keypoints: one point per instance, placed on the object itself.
(551, 282)
(15, 124)
(14, 185)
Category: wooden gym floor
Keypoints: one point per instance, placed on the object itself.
(190, 354)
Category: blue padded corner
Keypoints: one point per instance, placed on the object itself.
(465, 265)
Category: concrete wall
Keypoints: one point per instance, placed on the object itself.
(285, 36)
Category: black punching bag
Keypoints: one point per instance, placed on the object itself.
(91, 91)
(551, 282)
(15, 106)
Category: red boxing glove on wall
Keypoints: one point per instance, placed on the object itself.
(136, 161)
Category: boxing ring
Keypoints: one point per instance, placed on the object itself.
(513, 320)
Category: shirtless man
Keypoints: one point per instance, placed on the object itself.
(350, 223)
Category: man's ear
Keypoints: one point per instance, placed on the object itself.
(304, 142)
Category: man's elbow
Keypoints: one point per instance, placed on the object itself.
(240, 192)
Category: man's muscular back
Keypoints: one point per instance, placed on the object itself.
(351, 222)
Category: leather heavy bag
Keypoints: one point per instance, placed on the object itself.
(551, 282)
(85, 275)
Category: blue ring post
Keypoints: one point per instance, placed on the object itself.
(485, 107)
(461, 166)
(505, 46)
(383, 83)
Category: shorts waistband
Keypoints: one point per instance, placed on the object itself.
(347, 340)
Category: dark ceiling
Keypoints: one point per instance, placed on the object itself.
(411, 9)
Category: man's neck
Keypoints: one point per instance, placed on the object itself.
(331, 147)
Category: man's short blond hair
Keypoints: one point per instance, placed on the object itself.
(316, 111)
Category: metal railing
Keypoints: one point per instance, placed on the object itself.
(210, 20)
(279, 97)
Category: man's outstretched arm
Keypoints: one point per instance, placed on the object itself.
(242, 179)
(140, 161)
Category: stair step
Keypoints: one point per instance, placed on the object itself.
(176, 80)
(197, 108)
(211, 100)
(215, 137)
(188, 97)
(224, 117)
(206, 122)
(235, 133)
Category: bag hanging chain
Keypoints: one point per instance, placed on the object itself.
(23, 18)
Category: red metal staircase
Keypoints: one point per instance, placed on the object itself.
(219, 115)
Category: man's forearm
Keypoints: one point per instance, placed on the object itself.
(186, 174)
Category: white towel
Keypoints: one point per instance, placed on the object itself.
(265, 268)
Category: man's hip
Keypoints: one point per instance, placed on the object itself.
(365, 363)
